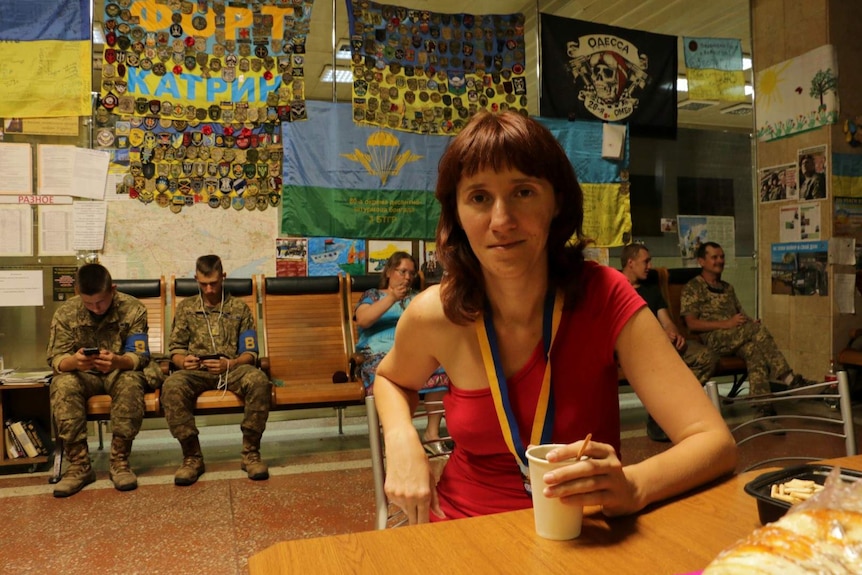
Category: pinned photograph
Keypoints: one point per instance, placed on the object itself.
(778, 183)
(812, 173)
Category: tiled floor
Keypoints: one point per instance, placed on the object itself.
(320, 484)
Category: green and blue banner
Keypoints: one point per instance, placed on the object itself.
(345, 179)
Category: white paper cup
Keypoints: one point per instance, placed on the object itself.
(554, 519)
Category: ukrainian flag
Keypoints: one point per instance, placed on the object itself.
(846, 175)
(45, 51)
(607, 205)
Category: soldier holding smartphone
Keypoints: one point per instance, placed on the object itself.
(97, 344)
(213, 345)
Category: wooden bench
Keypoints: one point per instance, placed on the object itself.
(308, 343)
(671, 281)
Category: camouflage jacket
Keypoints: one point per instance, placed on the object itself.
(73, 327)
(706, 303)
(227, 328)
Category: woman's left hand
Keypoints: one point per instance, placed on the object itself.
(597, 479)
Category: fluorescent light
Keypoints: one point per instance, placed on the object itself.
(342, 50)
(98, 35)
(342, 74)
(746, 63)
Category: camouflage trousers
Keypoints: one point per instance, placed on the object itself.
(181, 389)
(69, 394)
(752, 342)
(700, 359)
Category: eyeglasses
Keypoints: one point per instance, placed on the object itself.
(406, 272)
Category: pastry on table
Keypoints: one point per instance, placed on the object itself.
(820, 535)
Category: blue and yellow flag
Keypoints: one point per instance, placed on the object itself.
(46, 68)
(847, 175)
(714, 69)
(607, 206)
(344, 179)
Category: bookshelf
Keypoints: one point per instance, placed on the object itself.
(24, 401)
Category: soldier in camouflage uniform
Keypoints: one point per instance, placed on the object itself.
(214, 324)
(115, 323)
(710, 307)
(636, 263)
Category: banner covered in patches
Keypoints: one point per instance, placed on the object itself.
(607, 209)
(46, 68)
(344, 179)
(428, 72)
(713, 68)
(224, 62)
(597, 72)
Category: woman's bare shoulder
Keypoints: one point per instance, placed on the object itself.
(427, 304)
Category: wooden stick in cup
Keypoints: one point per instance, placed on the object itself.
(584, 445)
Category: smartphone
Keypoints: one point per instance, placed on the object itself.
(91, 351)
(210, 356)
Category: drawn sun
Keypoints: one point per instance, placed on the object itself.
(768, 90)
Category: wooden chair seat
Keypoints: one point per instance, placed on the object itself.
(99, 406)
(308, 343)
(216, 400)
(311, 394)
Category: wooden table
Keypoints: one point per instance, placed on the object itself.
(680, 536)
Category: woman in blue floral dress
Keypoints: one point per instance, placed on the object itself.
(377, 313)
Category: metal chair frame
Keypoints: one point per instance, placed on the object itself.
(385, 516)
(841, 427)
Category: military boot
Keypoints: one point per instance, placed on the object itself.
(79, 473)
(251, 462)
(121, 474)
(193, 462)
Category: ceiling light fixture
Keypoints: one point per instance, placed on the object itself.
(342, 74)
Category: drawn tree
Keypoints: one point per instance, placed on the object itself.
(822, 83)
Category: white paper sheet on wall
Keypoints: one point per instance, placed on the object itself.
(16, 169)
(21, 288)
(845, 292)
(16, 231)
(89, 225)
(72, 171)
(613, 141)
(55, 231)
(842, 251)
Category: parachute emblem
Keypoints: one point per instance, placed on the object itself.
(382, 157)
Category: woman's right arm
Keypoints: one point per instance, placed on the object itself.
(400, 375)
(370, 310)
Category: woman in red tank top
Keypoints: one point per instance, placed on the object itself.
(530, 335)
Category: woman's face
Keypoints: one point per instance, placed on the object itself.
(506, 216)
(401, 273)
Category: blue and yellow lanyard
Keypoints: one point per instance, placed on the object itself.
(543, 421)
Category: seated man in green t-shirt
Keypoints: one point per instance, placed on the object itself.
(636, 262)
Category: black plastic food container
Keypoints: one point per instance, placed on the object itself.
(770, 509)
